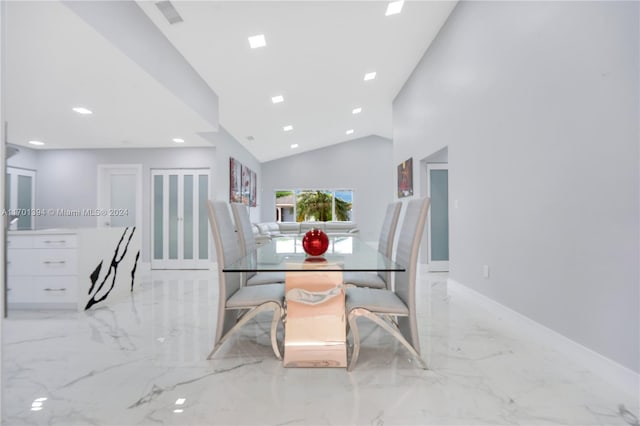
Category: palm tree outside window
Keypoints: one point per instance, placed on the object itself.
(320, 205)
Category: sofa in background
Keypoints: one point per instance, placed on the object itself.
(266, 230)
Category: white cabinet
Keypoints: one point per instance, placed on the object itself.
(71, 269)
(42, 271)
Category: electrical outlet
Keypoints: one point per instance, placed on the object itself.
(485, 271)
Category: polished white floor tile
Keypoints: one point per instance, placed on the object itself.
(143, 361)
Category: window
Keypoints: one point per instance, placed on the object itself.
(322, 205)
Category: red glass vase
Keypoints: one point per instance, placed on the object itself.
(315, 242)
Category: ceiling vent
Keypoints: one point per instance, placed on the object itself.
(169, 12)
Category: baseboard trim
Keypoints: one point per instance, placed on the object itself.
(611, 371)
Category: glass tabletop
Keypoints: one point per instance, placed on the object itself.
(345, 253)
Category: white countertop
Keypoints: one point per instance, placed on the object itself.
(42, 231)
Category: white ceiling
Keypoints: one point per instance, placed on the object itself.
(54, 62)
(316, 56)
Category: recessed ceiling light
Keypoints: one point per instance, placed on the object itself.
(180, 401)
(394, 7)
(277, 99)
(287, 128)
(356, 110)
(350, 132)
(178, 410)
(257, 41)
(294, 146)
(178, 140)
(83, 111)
(369, 76)
(37, 143)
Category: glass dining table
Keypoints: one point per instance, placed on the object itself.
(315, 321)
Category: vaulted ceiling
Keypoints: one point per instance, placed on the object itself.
(316, 56)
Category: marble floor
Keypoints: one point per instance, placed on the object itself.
(142, 361)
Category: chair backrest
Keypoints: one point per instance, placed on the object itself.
(407, 255)
(388, 232)
(245, 234)
(387, 235)
(227, 252)
(245, 229)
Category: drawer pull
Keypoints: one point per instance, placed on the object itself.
(48, 262)
(55, 289)
(55, 241)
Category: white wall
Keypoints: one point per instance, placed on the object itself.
(364, 165)
(538, 104)
(2, 179)
(67, 179)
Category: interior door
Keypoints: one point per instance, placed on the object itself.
(120, 195)
(438, 218)
(180, 227)
(20, 197)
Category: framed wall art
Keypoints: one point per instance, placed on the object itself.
(405, 178)
(235, 181)
(243, 184)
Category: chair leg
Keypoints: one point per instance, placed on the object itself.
(386, 326)
(251, 313)
(396, 333)
(352, 317)
(277, 315)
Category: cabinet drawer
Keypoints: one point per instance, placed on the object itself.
(63, 289)
(21, 261)
(54, 241)
(56, 262)
(19, 289)
(15, 241)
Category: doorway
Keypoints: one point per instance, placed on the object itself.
(438, 217)
(20, 197)
(120, 194)
(179, 221)
(434, 183)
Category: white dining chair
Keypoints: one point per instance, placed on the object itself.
(393, 310)
(238, 304)
(385, 247)
(248, 246)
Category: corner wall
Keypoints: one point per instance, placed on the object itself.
(538, 105)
